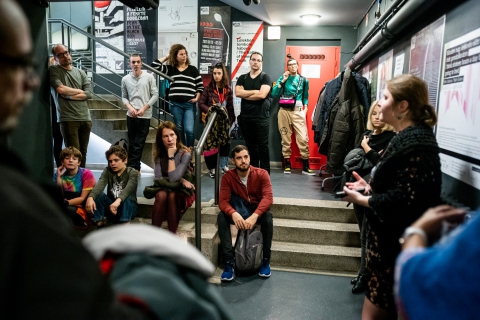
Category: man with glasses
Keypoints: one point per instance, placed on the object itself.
(254, 90)
(139, 93)
(73, 88)
(292, 83)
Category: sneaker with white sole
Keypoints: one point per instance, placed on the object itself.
(265, 268)
(212, 173)
(228, 271)
(225, 169)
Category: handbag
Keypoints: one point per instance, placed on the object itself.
(288, 101)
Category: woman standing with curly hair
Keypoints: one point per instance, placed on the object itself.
(405, 183)
(184, 91)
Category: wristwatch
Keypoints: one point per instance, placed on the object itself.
(171, 158)
(411, 231)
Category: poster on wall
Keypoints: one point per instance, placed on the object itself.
(426, 56)
(141, 32)
(458, 109)
(247, 37)
(109, 27)
(188, 39)
(385, 70)
(215, 34)
(373, 84)
(178, 16)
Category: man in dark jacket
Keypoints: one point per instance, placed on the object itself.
(245, 200)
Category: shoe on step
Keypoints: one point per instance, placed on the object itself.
(228, 271)
(212, 173)
(265, 268)
(361, 284)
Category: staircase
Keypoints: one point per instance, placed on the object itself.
(309, 235)
(109, 121)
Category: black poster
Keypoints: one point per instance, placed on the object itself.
(214, 33)
(141, 33)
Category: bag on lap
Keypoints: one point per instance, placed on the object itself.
(249, 250)
(122, 143)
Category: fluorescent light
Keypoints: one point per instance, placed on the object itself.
(273, 33)
(310, 18)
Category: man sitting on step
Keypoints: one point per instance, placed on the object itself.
(250, 187)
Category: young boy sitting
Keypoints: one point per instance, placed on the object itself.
(76, 183)
(120, 203)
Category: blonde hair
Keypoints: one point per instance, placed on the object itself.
(414, 91)
(386, 127)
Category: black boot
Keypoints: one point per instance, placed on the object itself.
(306, 168)
(361, 285)
(354, 280)
(288, 166)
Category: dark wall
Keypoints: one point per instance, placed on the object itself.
(460, 19)
(32, 138)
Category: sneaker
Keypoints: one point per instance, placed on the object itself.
(265, 268)
(288, 167)
(225, 169)
(228, 271)
(212, 173)
(308, 171)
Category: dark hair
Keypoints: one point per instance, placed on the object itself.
(224, 82)
(117, 150)
(237, 149)
(172, 56)
(55, 47)
(134, 55)
(414, 91)
(291, 59)
(160, 149)
(70, 151)
(256, 52)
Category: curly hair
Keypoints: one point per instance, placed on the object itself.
(413, 90)
(117, 150)
(160, 149)
(172, 56)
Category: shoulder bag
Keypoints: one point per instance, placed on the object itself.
(288, 101)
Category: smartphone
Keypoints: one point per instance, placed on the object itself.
(342, 194)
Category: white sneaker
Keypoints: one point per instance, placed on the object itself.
(212, 173)
(225, 169)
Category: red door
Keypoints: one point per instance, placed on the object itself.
(318, 65)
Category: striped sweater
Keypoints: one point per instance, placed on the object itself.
(187, 82)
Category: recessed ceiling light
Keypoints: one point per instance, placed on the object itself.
(310, 18)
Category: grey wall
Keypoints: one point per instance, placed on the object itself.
(78, 13)
(460, 19)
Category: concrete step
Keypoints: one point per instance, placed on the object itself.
(312, 210)
(108, 114)
(102, 104)
(316, 232)
(315, 257)
(152, 133)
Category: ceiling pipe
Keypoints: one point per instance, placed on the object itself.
(410, 11)
(378, 23)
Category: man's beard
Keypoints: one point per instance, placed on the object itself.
(242, 169)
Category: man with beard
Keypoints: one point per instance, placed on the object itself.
(245, 200)
(73, 88)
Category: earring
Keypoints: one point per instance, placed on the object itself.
(399, 117)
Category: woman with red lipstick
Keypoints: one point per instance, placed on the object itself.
(172, 161)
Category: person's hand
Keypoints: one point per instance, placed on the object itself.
(251, 221)
(60, 171)
(171, 151)
(133, 112)
(187, 184)
(141, 112)
(359, 184)
(90, 205)
(193, 100)
(238, 221)
(365, 142)
(305, 108)
(355, 197)
(114, 206)
(285, 76)
(431, 220)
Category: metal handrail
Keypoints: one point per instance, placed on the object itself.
(198, 178)
(109, 46)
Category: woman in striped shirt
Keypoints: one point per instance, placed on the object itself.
(184, 91)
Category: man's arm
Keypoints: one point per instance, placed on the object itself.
(240, 92)
(267, 194)
(126, 101)
(260, 94)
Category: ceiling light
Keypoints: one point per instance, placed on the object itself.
(247, 2)
(310, 18)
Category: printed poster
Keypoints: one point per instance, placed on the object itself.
(141, 31)
(109, 27)
(247, 37)
(215, 35)
(178, 16)
(385, 69)
(458, 108)
(426, 56)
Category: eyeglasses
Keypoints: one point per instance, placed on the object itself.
(292, 64)
(63, 54)
(255, 60)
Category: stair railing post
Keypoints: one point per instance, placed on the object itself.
(217, 177)
(198, 179)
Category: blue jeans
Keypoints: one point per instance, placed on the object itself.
(223, 162)
(125, 212)
(184, 119)
(138, 129)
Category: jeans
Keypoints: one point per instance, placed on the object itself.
(224, 221)
(77, 134)
(223, 162)
(137, 134)
(125, 212)
(255, 132)
(184, 119)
